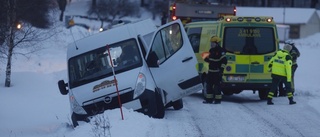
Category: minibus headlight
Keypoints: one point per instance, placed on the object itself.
(140, 85)
(76, 108)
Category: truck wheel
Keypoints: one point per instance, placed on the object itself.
(263, 94)
(74, 120)
(160, 106)
(177, 105)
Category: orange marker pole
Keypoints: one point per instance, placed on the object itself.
(116, 82)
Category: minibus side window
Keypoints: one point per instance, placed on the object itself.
(167, 42)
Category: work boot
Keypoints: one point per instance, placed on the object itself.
(270, 101)
(291, 102)
(217, 101)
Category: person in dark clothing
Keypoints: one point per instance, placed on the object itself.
(217, 61)
(164, 18)
(128, 55)
(62, 6)
(295, 54)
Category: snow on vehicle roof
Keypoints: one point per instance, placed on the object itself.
(280, 15)
(120, 33)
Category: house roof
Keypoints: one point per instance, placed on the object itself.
(282, 15)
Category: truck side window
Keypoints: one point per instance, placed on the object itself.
(195, 41)
(194, 35)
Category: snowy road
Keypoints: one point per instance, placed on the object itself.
(46, 111)
(244, 115)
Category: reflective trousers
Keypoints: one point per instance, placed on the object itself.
(213, 85)
(276, 79)
(281, 88)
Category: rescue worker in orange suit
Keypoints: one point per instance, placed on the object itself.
(295, 53)
(280, 65)
(217, 61)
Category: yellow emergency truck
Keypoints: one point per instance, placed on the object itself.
(250, 43)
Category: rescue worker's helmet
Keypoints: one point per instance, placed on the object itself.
(289, 42)
(215, 39)
(287, 47)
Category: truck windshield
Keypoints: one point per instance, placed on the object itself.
(249, 40)
(96, 64)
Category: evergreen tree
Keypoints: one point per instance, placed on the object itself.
(313, 3)
(34, 12)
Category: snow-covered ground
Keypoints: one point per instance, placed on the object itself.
(34, 107)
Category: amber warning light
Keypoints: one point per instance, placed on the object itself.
(174, 17)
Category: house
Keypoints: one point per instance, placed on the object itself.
(303, 22)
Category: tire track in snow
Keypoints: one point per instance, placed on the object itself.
(196, 126)
(175, 123)
(155, 131)
(288, 120)
(264, 121)
(279, 118)
(247, 115)
(305, 117)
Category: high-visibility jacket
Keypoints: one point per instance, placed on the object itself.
(280, 64)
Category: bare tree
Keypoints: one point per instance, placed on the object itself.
(109, 10)
(241, 2)
(142, 3)
(263, 3)
(24, 41)
(313, 3)
(159, 8)
(3, 24)
(26, 14)
(11, 17)
(292, 3)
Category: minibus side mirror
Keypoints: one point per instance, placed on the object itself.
(152, 60)
(63, 87)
